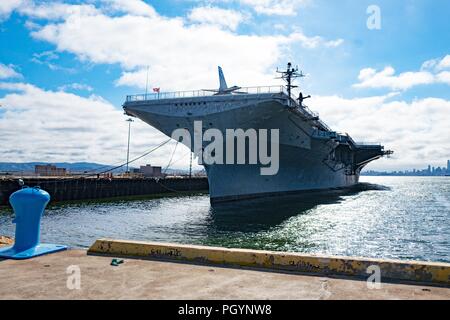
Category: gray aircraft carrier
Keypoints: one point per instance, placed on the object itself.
(311, 156)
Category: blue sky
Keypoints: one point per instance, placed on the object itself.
(68, 65)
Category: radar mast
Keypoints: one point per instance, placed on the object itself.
(289, 75)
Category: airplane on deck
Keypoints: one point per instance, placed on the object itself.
(223, 87)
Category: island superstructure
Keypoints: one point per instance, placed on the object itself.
(312, 157)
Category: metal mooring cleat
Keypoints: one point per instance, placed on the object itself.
(29, 205)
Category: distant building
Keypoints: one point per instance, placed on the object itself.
(49, 170)
(150, 171)
(448, 166)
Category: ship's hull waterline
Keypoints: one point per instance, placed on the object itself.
(307, 161)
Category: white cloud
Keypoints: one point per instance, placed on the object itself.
(180, 56)
(432, 72)
(7, 6)
(54, 10)
(443, 77)
(75, 86)
(417, 131)
(252, 65)
(133, 7)
(31, 25)
(444, 63)
(7, 71)
(39, 125)
(48, 59)
(275, 7)
(371, 78)
(313, 42)
(47, 55)
(437, 64)
(229, 19)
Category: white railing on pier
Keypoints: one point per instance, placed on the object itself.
(202, 93)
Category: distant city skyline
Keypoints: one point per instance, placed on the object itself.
(429, 171)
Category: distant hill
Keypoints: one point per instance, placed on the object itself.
(77, 167)
(72, 167)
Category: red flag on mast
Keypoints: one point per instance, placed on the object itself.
(156, 90)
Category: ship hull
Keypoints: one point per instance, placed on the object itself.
(299, 172)
(307, 162)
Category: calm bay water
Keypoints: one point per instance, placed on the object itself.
(385, 217)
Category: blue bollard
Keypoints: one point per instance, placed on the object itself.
(29, 205)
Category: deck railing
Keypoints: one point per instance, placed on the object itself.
(242, 91)
(202, 93)
(368, 144)
(312, 115)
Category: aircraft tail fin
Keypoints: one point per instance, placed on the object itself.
(223, 83)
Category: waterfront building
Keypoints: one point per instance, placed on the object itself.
(150, 171)
(49, 170)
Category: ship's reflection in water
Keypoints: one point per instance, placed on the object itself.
(255, 215)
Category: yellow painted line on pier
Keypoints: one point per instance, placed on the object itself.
(397, 270)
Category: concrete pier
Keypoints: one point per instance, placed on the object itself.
(389, 270)
(47, 277)
(73, 189)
